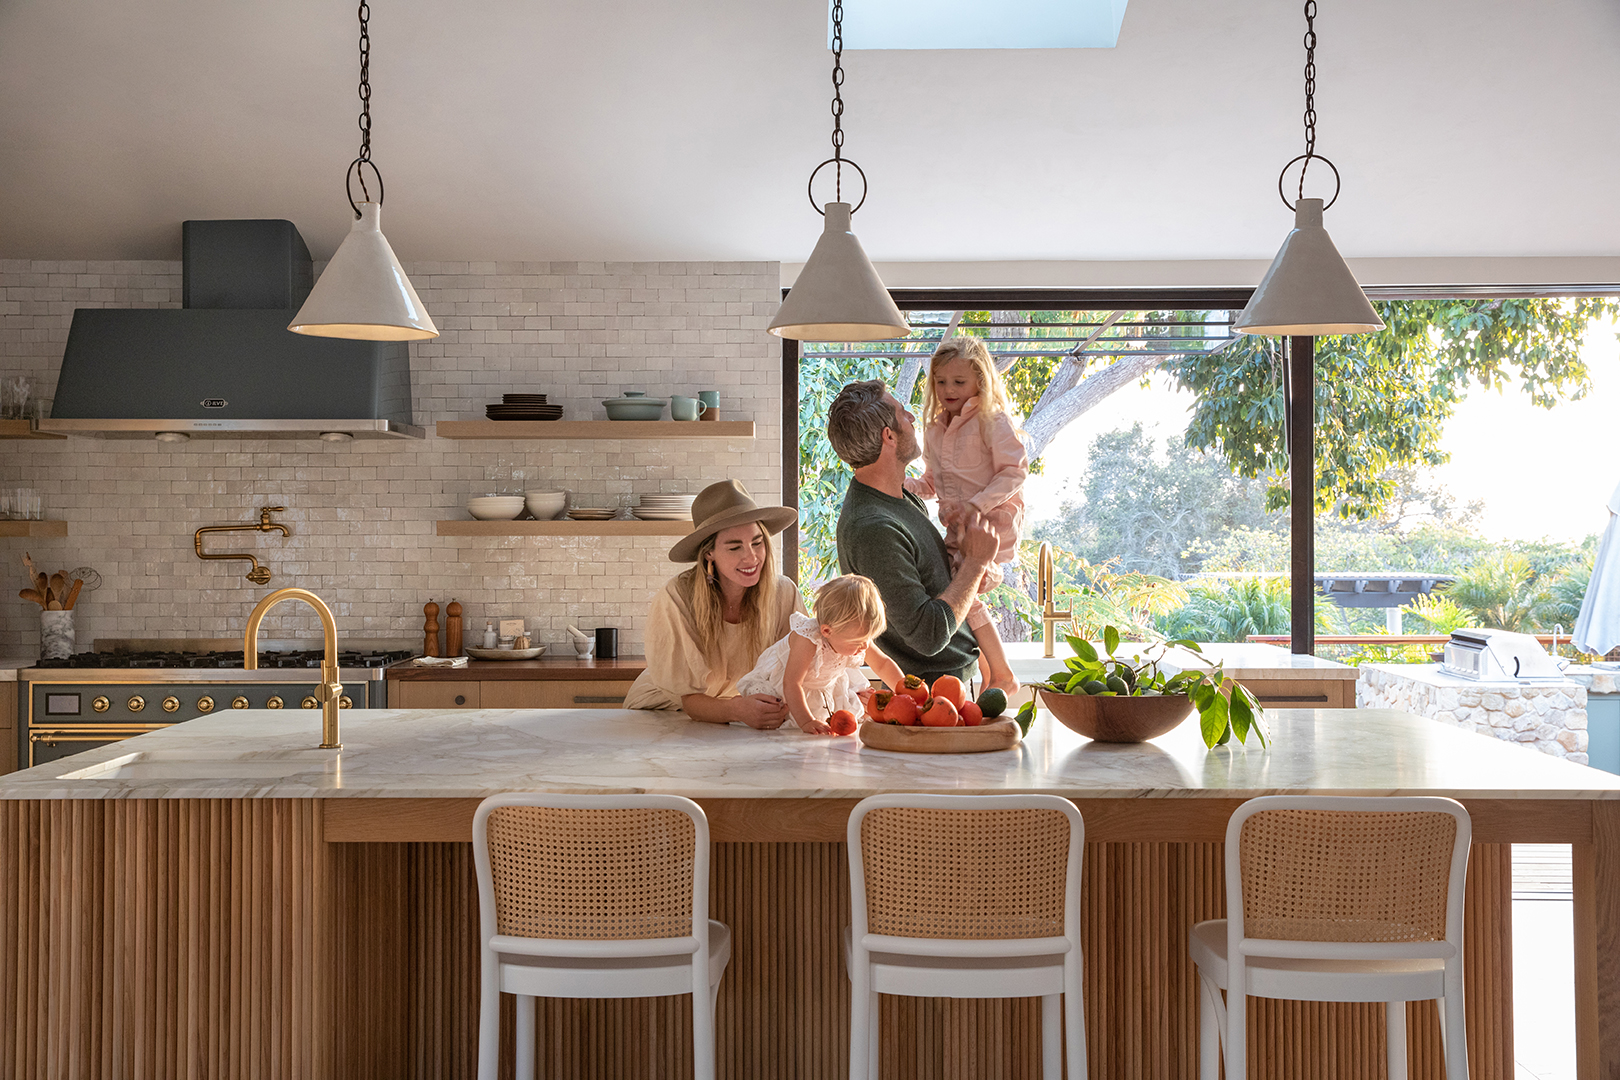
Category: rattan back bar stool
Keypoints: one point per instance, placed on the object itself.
(967, 896)
(594, 896)
(1337, 898)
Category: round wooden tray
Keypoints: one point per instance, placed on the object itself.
(999, 734)
(505, 654)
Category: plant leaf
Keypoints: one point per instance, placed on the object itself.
(1241, 715)
(1083, 649)
(1212, 726)
(1110, 639)
(1026, 717)
(1189, 645)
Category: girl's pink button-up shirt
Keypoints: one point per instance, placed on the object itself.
(962, 471)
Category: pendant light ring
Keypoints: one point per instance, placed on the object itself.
(810, 188)
(1308, 158)
(354, 173)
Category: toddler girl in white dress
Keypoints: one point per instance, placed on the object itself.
(816, 668)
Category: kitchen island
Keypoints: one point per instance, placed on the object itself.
(197, 902)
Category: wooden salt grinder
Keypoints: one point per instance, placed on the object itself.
(430, 629)
(452, 629)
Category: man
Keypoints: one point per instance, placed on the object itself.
(884, 533)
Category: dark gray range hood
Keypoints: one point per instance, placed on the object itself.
(225, 364)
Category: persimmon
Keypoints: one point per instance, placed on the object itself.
(914, 688)
(876, 702)
(901, 709)
(939, 712)
(842, 722)
(949, 687)
(972, 715)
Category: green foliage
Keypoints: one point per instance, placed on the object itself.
(1382, 399)
(1505, 593)
(1435, 613)
(1224, 707)
(1230, 610)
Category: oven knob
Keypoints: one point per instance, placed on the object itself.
(136, 703)
(239, 702)
(171, 703)
(275, 702)
(205, 704)
(311, 703)
(101, 703)
(345, 702)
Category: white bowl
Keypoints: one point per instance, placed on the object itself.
(495, 507)
(545, 505)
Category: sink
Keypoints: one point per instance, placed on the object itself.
(204, 765)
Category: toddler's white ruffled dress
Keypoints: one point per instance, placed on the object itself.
(830, 683)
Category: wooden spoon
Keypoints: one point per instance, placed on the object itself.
(73, 593)
(30, 594)
(55, 605)
(59, 583)
(28, 561)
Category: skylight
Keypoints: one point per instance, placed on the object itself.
(980, 24)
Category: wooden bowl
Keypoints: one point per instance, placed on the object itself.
(999, 734)
(1118, 719)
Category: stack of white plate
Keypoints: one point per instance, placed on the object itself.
(587, 513)
(658, 507)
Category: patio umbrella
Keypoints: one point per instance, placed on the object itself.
(1598, 628)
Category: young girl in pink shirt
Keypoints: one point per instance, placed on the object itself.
(974, 459)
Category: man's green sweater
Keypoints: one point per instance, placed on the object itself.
(893, 542)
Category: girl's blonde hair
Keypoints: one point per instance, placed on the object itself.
(993, 400)
(709, 606)
(851, 600)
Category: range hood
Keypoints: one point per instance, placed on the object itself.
(225, 364)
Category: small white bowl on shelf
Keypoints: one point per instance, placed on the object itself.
(545, 505)
(495, 507)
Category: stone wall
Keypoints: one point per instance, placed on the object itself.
(1551, 718)
(362, 514)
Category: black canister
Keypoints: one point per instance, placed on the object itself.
(607, 643)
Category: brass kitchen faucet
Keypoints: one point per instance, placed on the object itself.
(329, 692)
(1046, 595)
(259, 575)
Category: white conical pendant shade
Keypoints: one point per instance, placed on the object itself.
(364, 293)
(838, 295)
(1309, 289)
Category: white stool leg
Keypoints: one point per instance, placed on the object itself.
(1395, 1026)
(523, 1037)
(702, 1020)
(1209, 1030)
(874, 1039)
(862, 1029)
(489, 1021)
(1454, 1023)
(1074, 1016)
(1051, 1037)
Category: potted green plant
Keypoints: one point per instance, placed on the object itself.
(1114, 699)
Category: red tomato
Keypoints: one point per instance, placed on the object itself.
(902, 709)
(842, 722)
(875, 703)
(972, 715)
(949, 687)
(940, 713)
(913, 688)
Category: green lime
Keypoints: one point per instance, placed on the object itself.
(992, 703)
(1094, 686)
(1118, 685)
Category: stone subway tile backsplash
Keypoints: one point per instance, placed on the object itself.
(362, 514)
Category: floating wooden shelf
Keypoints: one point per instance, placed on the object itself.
(594, 429)
(23, 429)
(563, 528)
(59, 528)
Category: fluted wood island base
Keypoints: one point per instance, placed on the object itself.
(324, 924)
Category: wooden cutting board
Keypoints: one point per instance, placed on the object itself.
(1000, 734)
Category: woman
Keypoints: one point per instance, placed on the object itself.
(708, 625)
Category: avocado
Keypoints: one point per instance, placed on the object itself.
(992, 703)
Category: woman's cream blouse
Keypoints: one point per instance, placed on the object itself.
(676, 665)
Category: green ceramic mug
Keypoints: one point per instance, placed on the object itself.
(685, 408)
(711, 404)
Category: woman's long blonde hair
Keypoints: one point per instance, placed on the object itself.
(702, 588)
(993, 400)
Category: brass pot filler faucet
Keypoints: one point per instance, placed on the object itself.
(259, 575)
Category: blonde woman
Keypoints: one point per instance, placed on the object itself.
(974, 461)
(816, 669)
(708, 625)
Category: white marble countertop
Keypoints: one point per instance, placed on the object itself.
(9, 666)
(1240, 659)
(391, 753)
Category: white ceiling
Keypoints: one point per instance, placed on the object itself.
(685, 129)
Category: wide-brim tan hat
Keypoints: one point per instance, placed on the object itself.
(720, 506)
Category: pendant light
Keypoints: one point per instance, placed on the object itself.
(364, 293)
(838, 295)
(1308, 290)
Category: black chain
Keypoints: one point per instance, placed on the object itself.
(1310, 91)
(838, 98)
(365, 94)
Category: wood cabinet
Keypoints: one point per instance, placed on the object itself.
(1303, 693)
(554, 694)
(407, 694)
(8, 727)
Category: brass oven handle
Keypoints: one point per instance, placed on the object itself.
(88, 733)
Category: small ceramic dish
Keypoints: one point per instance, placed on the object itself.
(545, 505)
(505, 654)
(495, 507)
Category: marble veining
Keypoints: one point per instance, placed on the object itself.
(467, 754)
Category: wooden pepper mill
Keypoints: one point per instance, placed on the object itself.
(452, 629)
(430, 629)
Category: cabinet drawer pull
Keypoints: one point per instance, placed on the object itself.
(461, 699)
(586, 699)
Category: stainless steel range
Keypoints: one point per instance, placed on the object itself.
(93, 699)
